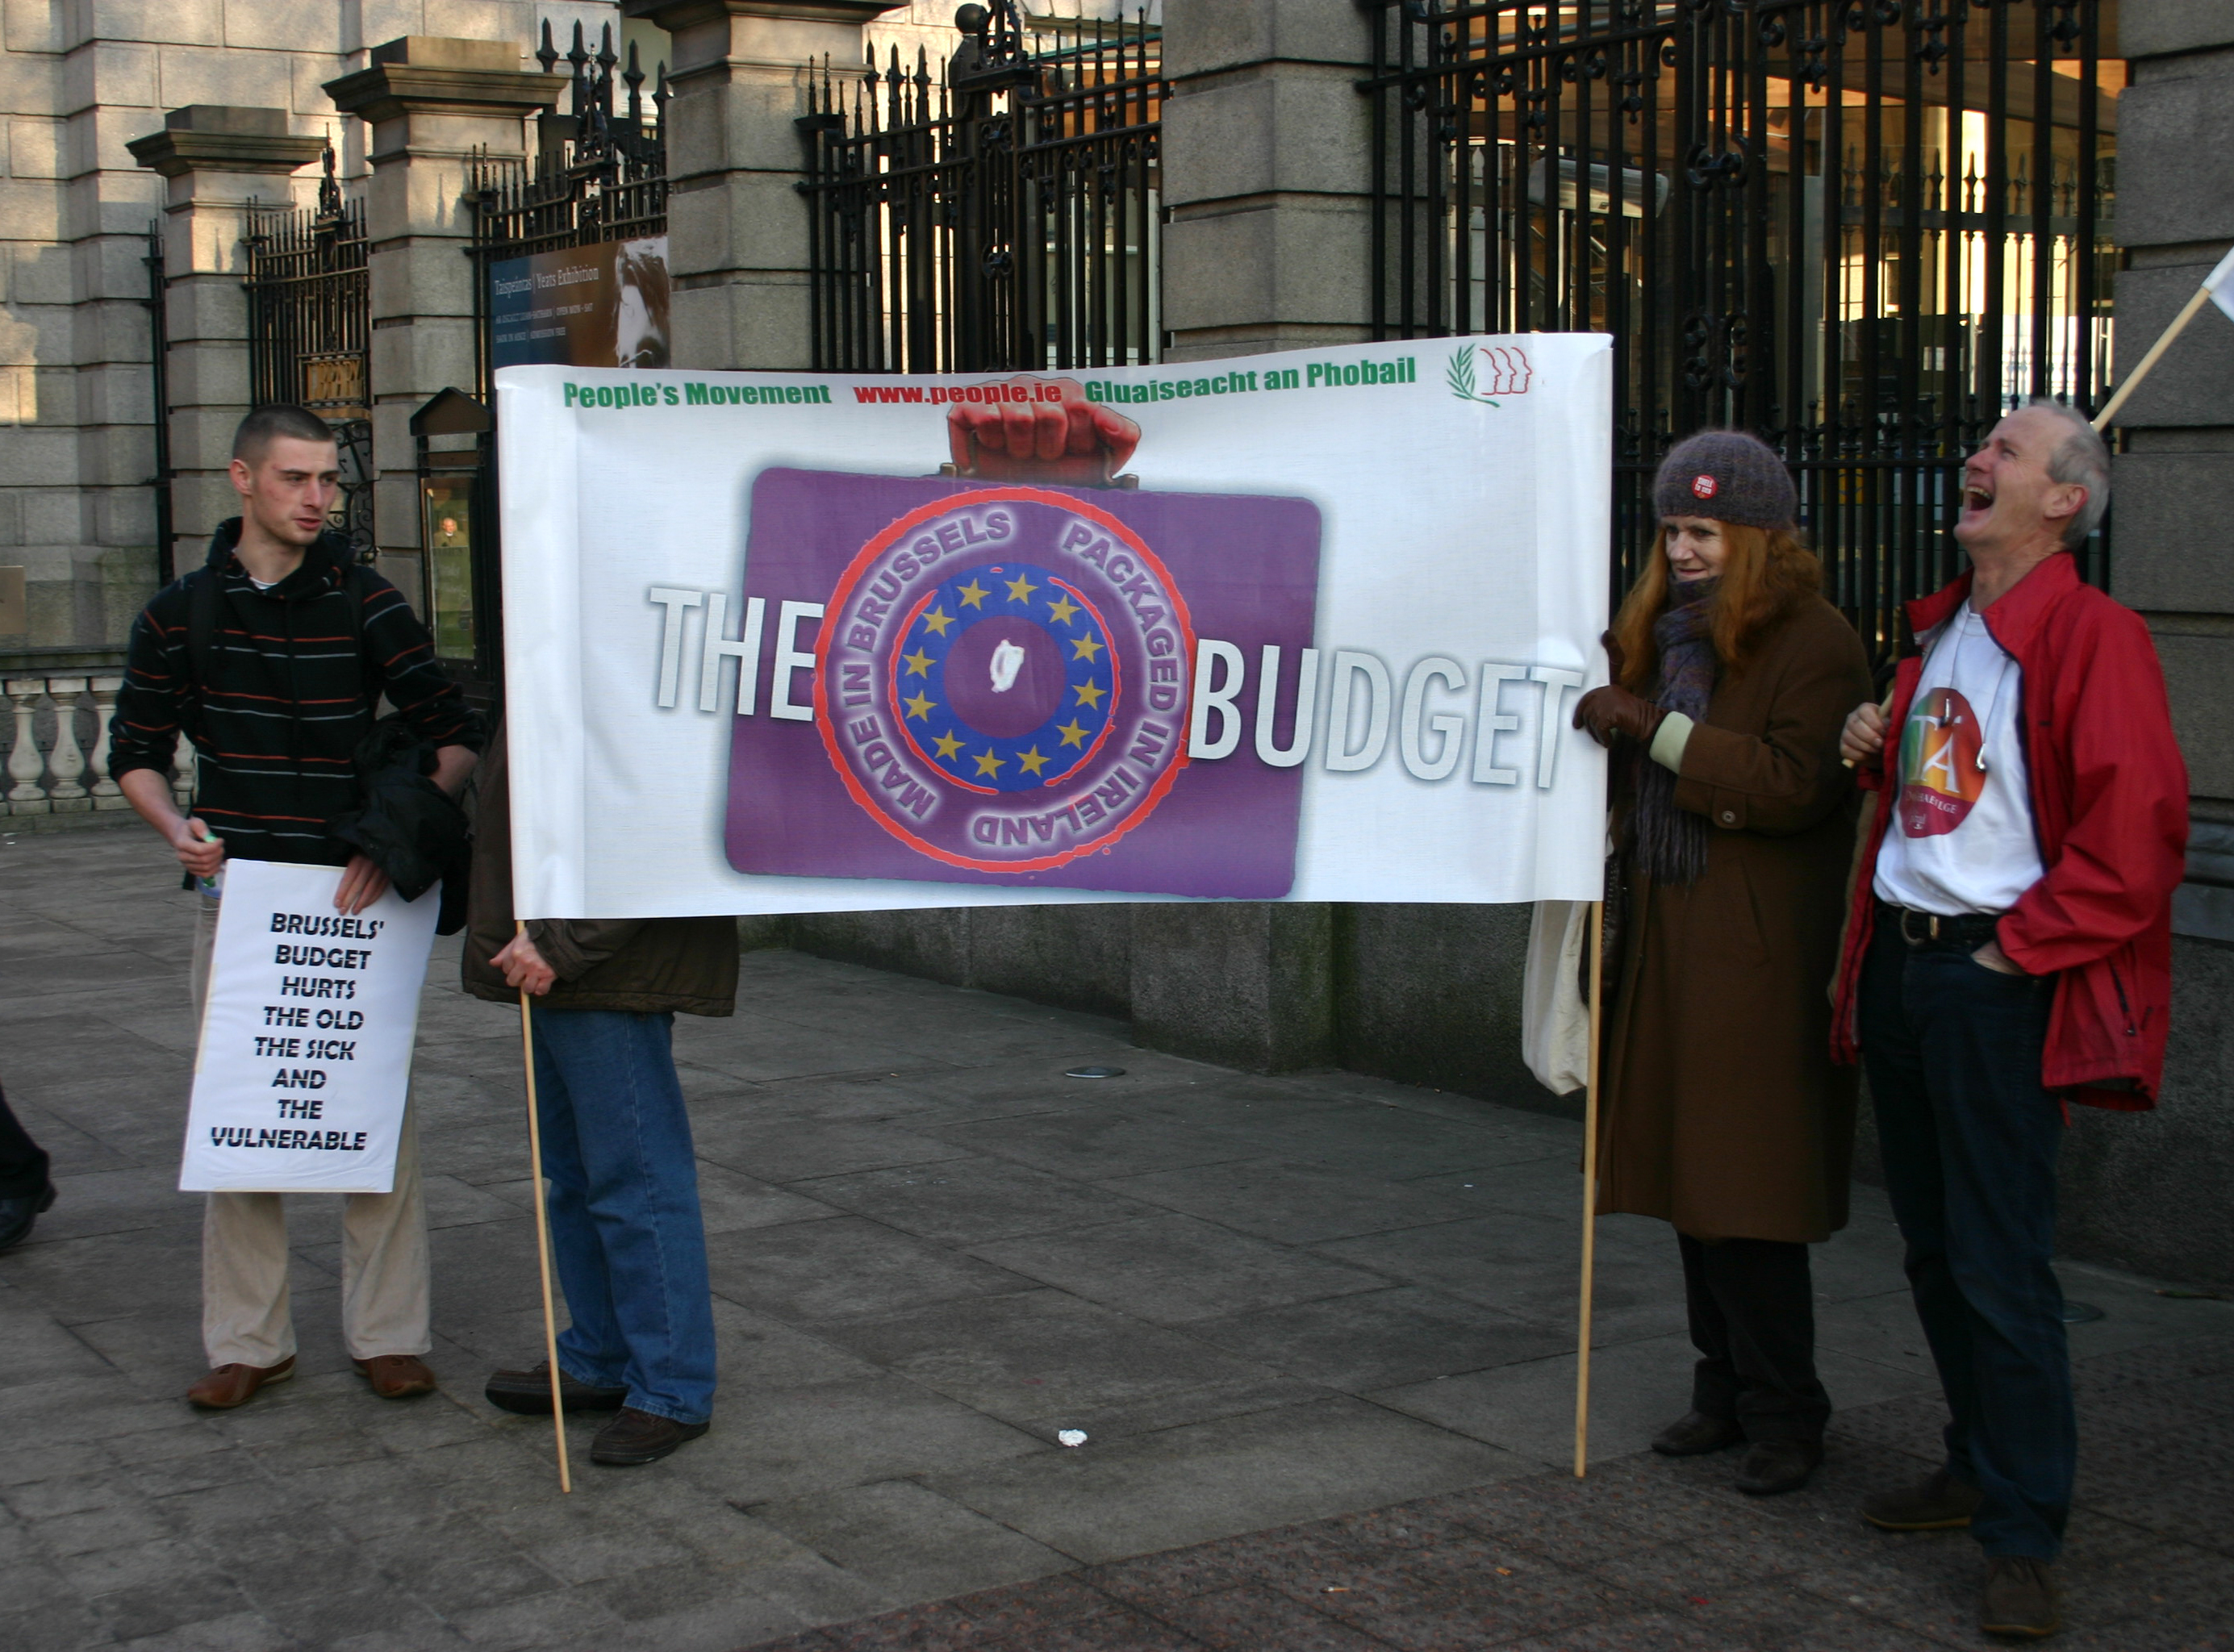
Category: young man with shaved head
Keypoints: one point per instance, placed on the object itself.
(2009, 952)
(271, 658)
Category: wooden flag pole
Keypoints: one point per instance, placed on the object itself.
(2187, 314)
(1590, 1191)
(542, 1233)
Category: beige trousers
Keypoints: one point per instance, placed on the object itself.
(246, 1313)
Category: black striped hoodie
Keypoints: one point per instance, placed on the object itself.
(277, 725)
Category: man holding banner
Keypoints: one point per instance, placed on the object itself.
(272, 659)
(624, 1221)
(2009, 952)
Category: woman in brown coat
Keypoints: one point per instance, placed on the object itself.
(1722, 1113)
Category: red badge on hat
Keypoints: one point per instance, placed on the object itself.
(1704, 486)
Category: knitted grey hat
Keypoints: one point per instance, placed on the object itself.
(1729, 476)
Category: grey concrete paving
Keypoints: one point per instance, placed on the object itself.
(1267, 1301)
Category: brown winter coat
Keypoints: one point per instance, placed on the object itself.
(1720, 1111)
(648, 965)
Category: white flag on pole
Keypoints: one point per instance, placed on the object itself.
(2220, 284)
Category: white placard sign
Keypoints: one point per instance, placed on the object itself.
(306, 1052)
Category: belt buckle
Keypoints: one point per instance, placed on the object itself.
(1930, 926)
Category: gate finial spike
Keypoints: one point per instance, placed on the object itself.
(547, 54)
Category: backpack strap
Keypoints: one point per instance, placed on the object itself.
(205, 611)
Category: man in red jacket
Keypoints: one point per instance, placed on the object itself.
(2009, 951)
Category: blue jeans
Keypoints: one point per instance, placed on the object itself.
(625, 1230)
(1970, 1137)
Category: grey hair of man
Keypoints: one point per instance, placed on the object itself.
(2081, 459)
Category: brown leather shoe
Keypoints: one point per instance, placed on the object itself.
(397, 1376)
(1694, 1434)
(1938, 1502)
(236, 1385)
(635, 1438)
(2019, 1598)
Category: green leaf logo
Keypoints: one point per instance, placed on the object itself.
(1460, 376)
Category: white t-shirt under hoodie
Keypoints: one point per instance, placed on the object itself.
(1962, 837)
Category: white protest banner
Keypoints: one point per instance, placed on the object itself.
(305, 1053)
(1307, 626)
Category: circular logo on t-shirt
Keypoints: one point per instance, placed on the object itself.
(1003, 678)
(1940, 780)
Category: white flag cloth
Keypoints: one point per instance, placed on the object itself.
(1555, 1023)
(2220, 284)
(306, 1052)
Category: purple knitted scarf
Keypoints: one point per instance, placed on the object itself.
(1670, 844)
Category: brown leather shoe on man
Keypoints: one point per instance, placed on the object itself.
(1775, 1467)
(236, 1385)
(635, 1438)
(528, 1394)
(1938, 1502)
(397, 1376)
(1694, 1434)
(2020, 1599)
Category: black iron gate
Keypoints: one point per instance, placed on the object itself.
(1005, 214)
(159, 385)
(310, 331)
(1861, 228)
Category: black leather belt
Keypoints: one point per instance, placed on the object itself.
(1969, 930)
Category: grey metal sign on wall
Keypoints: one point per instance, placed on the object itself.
(1862, 228)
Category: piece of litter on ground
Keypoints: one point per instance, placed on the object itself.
(1337, 1588)
(1071, 1437)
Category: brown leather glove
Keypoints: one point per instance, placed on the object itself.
(1613, 709)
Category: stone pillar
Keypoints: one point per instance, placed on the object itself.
(428, 105)
(1267, 169)
(215, 160)
(736, 227)
(2142, 1189)
(1267, 153)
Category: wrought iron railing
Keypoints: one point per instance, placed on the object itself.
(310, 331)
(1004, 213)
(1862, 228)
(158, 387)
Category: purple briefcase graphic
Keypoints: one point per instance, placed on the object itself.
(1002, 678)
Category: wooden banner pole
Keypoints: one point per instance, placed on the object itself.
(2187, 314)
(543, 1233)
(1590, 1192)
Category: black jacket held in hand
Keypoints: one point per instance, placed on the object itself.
(293, 674)
(407, 826)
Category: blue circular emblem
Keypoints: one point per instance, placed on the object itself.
(1008, 679)
(1003, 679)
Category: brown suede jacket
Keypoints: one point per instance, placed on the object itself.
(648, 965)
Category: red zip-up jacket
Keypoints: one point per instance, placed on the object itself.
(2109, 806)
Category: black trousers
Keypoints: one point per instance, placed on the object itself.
(23, 1165)
(1752, 1321)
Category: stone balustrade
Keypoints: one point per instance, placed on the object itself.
(57, 745)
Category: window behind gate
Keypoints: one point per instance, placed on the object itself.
(310, 329)
(1862, 230)
(1003, 214)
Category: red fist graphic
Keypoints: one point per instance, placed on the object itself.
(1039, 430)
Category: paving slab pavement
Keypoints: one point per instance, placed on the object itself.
(1317, 1330)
